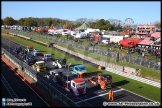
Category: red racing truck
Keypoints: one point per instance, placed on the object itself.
(76, 86)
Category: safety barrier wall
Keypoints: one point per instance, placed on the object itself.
(56, 91)
(97, 62)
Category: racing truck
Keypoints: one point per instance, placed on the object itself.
(22, 53)
(104, 81)
(76, 86)
(29, 59)
(29, 49)
(36, 52)
(39, 66)
(55, 75)
(46, 57)
(79, 70)
(60, 63)
(17, 50)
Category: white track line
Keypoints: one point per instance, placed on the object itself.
(31, 88)
(98, 96)
(136, 94)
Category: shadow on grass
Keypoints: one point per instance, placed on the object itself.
(75, 65)
(94, 73)
(43, 51)
(120, 83)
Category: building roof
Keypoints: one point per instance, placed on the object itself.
(146, 41)
(156, 34)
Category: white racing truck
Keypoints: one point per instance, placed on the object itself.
(60, 63)
(55, 75)
(36, 52)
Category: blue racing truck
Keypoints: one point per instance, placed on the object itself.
(79, 70)
(29, 59)
(17, 49)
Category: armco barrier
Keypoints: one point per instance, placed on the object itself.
(56, 91)
(150, 82)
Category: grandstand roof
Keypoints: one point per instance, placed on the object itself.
(146, 41)
(156, 34)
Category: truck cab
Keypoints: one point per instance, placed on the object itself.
(104, 81)
(55, 75)
(46, 57)
(17, 50)
(29, 59)
(29, 49)
(79, 70)
(76, 86)
(60, 63)
(36, 52)
(39, 66)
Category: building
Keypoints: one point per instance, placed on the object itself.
(145, 29)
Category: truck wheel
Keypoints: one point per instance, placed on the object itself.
(98, 85)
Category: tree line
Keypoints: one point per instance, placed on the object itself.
(102, 24)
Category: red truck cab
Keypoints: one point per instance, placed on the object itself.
(104, 81)
(77, 86)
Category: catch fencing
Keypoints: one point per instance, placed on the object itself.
(56, 91)
(142, 61)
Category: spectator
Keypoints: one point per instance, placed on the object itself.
(143, 54)
(159, 65)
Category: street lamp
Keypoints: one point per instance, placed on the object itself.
(108, 47)
(9, 45)
(68, 74)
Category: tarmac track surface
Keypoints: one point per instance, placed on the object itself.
(95, 96)
(21, 89)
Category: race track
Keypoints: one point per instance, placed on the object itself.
(21, 89)
(95, 96)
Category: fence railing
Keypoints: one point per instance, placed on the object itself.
(142, 61)
(56, 91)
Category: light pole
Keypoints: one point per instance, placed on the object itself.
(9, 45)
(68, 74)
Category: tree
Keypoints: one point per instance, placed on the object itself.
(1, 21)
(29, 22)
(158, 24)
(16, 22)
(21, 21)
(9, 21)
(49, 22)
